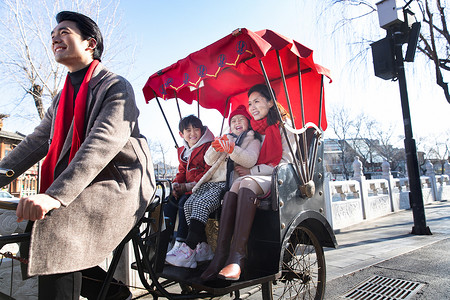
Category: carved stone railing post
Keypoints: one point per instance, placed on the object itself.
(429, 168)
(386, 169)
(357, 169)
(432, 177)
(359, 176)
(447, 168)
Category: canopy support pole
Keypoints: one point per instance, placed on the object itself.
(302, 107)
(266, 78)
(303, 163)
(224, 114)
(167, 122)
(178, 105)
(321, 102)
(316, 142)
(198, 103)
(300, 88)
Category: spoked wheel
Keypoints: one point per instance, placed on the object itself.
(303, 270)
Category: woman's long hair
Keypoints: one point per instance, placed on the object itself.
(272, 116)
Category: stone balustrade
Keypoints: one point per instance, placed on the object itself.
(402, 184)
(345, 189)
(377, 197)
(345, 198)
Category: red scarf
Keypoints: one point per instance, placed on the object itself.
(66, 113)
(271, 149)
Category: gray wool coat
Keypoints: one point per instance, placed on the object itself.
(104, 190)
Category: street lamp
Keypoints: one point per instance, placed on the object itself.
(398, 21)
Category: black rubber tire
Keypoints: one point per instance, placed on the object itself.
(303, 270)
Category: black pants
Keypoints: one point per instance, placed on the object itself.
(171, 209)
(69, 286)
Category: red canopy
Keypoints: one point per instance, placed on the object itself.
(220, 74)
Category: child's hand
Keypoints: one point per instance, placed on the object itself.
(241, 170)
(227, 145)
(189, 186)
(216, 145)
(175, 186)
(223, 144)
(179, 189)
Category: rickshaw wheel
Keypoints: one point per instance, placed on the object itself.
(303, 269)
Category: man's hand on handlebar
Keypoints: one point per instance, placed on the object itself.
(35, 207)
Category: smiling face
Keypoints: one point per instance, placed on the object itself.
(238, 124)
(70, 48)
(258, 106)
(191, 135)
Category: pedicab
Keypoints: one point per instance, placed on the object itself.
(285, 248)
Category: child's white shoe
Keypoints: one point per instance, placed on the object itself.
(174, 249)
(203, 252)
(183, 257)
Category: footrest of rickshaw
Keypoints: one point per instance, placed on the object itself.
(191, 277)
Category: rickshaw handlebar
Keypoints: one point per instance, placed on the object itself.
(8, 205)
(7, 172)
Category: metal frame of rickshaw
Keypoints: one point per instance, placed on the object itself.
(303, 184)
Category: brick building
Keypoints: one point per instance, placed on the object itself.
(27, 183)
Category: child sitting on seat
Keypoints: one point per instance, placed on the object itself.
(196, 139)
(240, 147)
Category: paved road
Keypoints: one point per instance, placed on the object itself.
(428, 268)
(377, 240)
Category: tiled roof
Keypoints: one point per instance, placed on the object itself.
(12, 135)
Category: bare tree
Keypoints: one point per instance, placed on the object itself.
(386, 147)
(437, 149)
(365, 137)
(342, 124)
(26, 59)
(159, 153)
(434, 39)
(362, 140)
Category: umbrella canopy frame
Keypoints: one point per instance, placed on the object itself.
(259, 46)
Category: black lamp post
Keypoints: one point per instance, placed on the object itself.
(388, 62)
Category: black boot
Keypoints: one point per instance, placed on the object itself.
(226, 227)
(196, 234)
(246, 209)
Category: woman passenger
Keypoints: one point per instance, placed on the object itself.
(238, 210)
